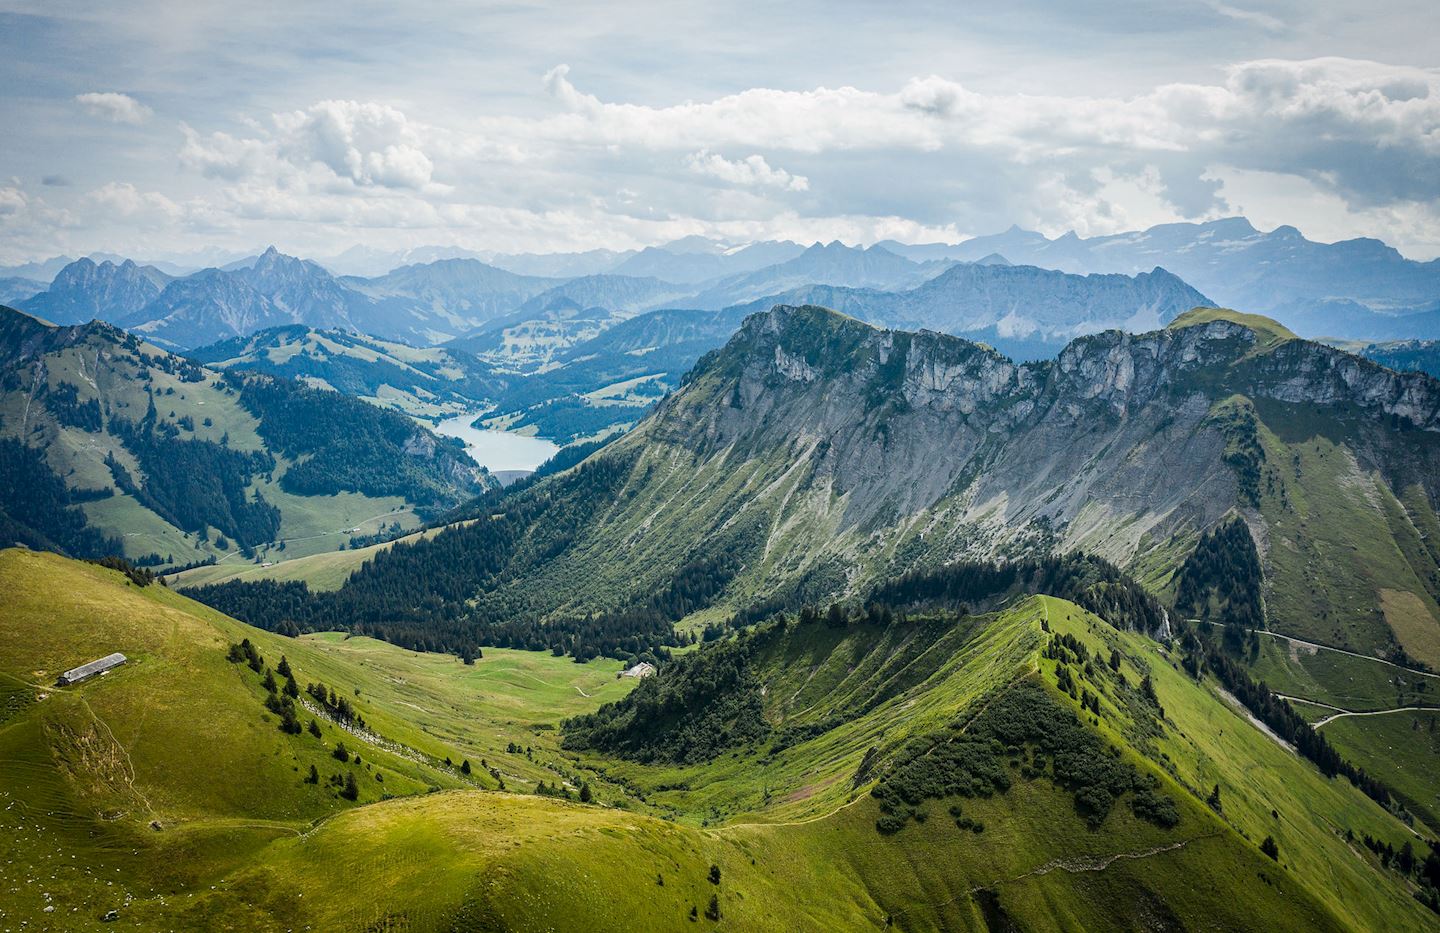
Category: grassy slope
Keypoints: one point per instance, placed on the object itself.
(324, 571)
(1272, 332)
(1391, 747)
(1401, 749)
(1206, 742)
(1341, 680)
(310, 524)
(500, 862)
(178, 736)
(1339, 539)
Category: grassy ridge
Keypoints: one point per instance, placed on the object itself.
(178, 736)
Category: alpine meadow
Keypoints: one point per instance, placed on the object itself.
(650, 466)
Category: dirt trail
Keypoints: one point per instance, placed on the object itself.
(1373, 712)
(1075, 865)
(1320, 647)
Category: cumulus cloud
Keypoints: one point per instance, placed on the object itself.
(751, 171)
(1364, 129)
(125, 200)
(927, 155)
(115, 107)
(365, 142)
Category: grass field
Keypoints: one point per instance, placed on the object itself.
(321, 571)
(1341, 680)
(1385, 745)
(163, 790)
(180, 737)
(1402, 749)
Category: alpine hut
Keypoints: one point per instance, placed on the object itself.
(86, 671)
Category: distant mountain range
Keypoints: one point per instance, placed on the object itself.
(1357, 289)
(525, 311)
(15, 289)
(830, 264)
(86, 290)
(1025, 311)
(420, 305)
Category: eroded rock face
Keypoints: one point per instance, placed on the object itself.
(1102, 447)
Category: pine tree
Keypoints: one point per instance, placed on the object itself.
(352, 790)
(315, 728)
(1214, 799)
(1270, 848)
(283, 669)
(314, 777)
(269, 683)
(713, 911)
(585, 795)
(465, 766)
(714, 874)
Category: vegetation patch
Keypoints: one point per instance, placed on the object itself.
(1221, 580)
(1088, 581)
(705, 704)
(1022, 733)
(39, 510)
(343, 444)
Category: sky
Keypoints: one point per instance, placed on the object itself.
(192, 130)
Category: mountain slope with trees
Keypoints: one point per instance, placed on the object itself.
(185, 464)
(815, 455)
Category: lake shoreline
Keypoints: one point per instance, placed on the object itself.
(500, 452)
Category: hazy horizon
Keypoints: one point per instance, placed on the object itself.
(163, 129)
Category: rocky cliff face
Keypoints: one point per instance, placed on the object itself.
(821, 454)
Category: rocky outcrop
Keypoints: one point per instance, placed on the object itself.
(85, 290)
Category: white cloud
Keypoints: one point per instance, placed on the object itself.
(362, 144)
(370, 144)
(125, 200)
(751, 171)
(1250, 17)
(12, 201)
(115, 107)
(925, 156)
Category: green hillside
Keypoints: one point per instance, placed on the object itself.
(173, 463)
(427, 382)
(108, 772)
